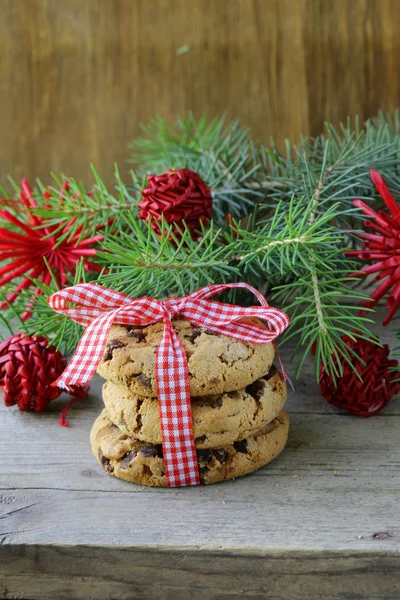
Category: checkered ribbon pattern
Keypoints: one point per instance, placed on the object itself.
(97, 308)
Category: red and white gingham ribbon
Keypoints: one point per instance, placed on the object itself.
(97, 308)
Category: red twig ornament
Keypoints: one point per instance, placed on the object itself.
(28, 239)
(179, 196)
(28, 367)
(367, 397)
(381, 247)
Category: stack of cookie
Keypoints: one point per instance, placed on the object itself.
(237, 401)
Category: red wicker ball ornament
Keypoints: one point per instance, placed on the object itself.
(367, 397)
(28, 367)
(179, 196)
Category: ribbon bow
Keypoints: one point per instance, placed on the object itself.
(97, 308)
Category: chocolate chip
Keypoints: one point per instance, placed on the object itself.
(256, 389)
(220, 454)
(271, 372)
(105, 462)
(146, 470)
(196, 332)
(130, 328)
(127, 459)
(241, 446)
(144, 380)
(139, 422)
(203, 458)
(159, 451)
(217, 403)
(201, 439)
(137, 334)
(223, 358)
(149, 451)
(111, 347)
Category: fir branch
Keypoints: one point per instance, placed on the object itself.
(142, 263)
(81, 210)
(334, 167)
(289, 233)
(60, 331)
(222, 153)
(319, 321)
(292, 212)
(297, 244)
(242, 173)
(305, 247)
(10, 319)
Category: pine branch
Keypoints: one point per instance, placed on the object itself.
(319, 326)
(297, 244)
(291, 246)
(10, 319)
(61, 331)
(291, 212)
(84, 210)
(222, 153)
(344, 159)
(291, 233)
(243, 174)
(140, 263)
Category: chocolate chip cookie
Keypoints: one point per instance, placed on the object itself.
(216, 362)
(130, 459)
(217, 420)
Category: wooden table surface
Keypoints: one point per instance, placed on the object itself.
(321, 521)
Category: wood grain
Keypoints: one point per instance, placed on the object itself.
(85, 573)
(77, 78)
(302, 528)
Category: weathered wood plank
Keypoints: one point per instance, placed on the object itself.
(264, 512)
(85, 572)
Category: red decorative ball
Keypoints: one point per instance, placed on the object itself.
(367, 397)
(179, 196)
(28, 367)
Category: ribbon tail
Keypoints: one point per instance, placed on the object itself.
(179, 448)
(87, 356)
(60, 384)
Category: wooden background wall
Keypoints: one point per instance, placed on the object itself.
(78, 76)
